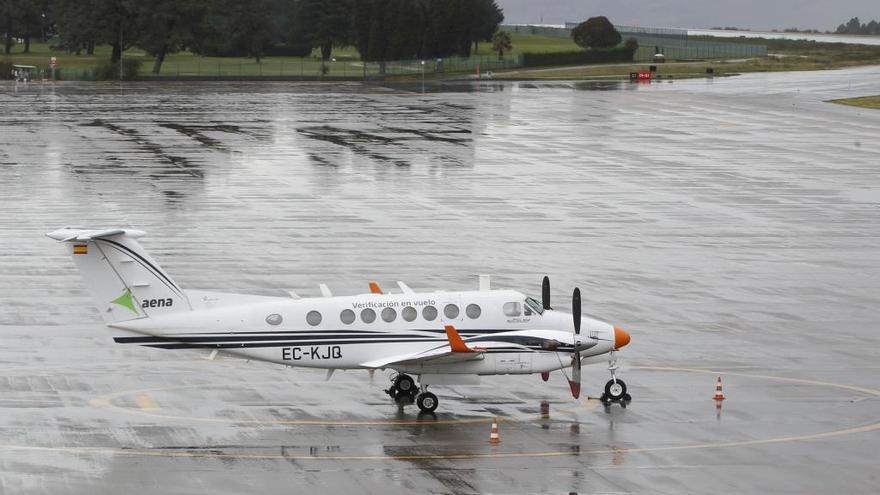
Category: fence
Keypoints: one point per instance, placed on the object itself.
(306, 68)
(673, 43)
(648, 46)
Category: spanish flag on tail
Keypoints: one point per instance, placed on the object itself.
(80, 249)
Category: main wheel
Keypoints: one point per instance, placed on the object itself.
(615, 389)
(404, 384)
(427, 402)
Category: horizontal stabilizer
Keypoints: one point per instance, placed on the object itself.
(75, 234)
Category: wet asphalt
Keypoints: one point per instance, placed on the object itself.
(731, 225)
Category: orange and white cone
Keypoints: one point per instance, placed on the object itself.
(493, 437)
(719, 395)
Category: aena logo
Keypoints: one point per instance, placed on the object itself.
(156, 303)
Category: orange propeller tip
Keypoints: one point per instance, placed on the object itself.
(621, 337)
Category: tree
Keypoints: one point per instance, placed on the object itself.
(420, 29)
(235, 27)
(501, 43)
(90, 22)
(488, 16)
(324, 23)
(853, 26)
(168, 26)
(596, 32)
(9, 15)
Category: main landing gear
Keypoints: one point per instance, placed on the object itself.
(615, 389)
(403, 391)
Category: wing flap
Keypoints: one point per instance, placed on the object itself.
(444, 357)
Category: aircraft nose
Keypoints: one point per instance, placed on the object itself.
(621, 338)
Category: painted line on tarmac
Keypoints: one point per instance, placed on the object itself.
(493, 454)
(146, 402)
(106, 402)
(456, 456)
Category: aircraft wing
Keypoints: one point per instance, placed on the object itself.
(456, 351)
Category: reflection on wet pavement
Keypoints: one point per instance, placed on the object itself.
(731, 224)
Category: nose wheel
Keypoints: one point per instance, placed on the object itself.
(615, 389)
(427, 402)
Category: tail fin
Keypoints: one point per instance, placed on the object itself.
(124, 280)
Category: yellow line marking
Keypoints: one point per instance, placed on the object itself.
(107, 401)
(146, 402)
(100, 403)
(417, 457)
(469, 455)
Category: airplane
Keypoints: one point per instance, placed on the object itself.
(440, 338)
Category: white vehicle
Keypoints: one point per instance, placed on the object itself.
(438, 337)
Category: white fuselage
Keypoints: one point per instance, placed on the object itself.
(350, 332)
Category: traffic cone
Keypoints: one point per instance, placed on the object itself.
(719, 395)
(493, 437)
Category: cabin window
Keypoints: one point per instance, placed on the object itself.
(409, 313)
(451, 311)
(389, 315)
(347, 316)
(512, 309)
(368, 316)
(535, 305)
(274, 319)
(473, 311)
(313, 318)
(429, 313)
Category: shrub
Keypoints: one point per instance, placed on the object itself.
(5, 70)
(288, 50)
(619, 54)
(596, 32)
(108, 72)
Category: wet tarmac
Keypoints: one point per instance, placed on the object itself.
(731, 225)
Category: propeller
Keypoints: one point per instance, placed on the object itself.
(545, 292)
(575, 381)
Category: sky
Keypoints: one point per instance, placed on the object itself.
(754, 14)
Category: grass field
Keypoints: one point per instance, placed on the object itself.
(789, 55)
(185, 63)
(862, 101)
(347, 60)
(530, 43)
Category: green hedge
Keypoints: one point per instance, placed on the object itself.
(617, 54)
(5, 70)
(109, 72)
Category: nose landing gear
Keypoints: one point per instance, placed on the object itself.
(615, 389)
(404, 391)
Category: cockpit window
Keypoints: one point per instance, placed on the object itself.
(535, 305)
(512, 309)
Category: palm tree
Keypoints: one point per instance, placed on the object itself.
(501, 43)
